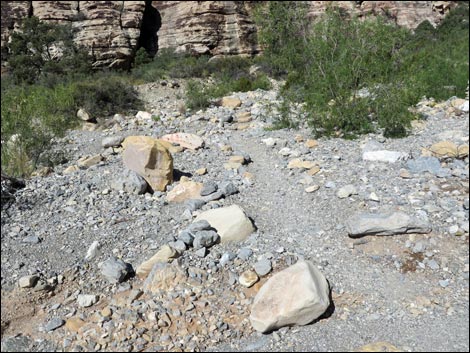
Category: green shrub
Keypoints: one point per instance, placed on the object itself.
(104, 94)
(327, 65)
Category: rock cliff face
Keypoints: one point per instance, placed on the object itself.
(113, 30)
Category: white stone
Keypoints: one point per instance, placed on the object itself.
(143, 115)
(384, 156)
(295, 296)
(464, 107)
(230, 222)
(93, 250)
(86, 300)
(346, 191)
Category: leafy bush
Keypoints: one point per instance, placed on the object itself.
(357, 76)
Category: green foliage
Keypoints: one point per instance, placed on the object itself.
(44, 51)
(357, 76)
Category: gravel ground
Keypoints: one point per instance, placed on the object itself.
(410, 290)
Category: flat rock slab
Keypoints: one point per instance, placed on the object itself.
(427, 164)
(384, 156)
(190, 141)
(295, 296)
(230, 222)
(385, 224)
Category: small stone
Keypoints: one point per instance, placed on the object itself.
(228, 189)
(71, 169)
(263, 267)
(314, 170)
(346, 191)
(230, 102)
(112, 141)
(454, 229)
(186, 237)
(205, 238)
(208, 188)
(194, 204)
(444, 283)
(31, 239)
(201, 171)
(86, 300)
(232, 165)
(89, 161)
(405, 174)
(115, 270)
(82, 114)
(433, 265)
(248, 278)
(226, 258)
(107, 312)
(202, 252)
(93, 250)
(74, 324)
(165, 254)
(199, 225)
(178, 245)
(244, 253)
(330, 185)
(54, 324)
(311, 143)
(373, 197)
(237, 159)
(28, 281)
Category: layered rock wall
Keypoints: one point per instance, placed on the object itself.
(113, 30)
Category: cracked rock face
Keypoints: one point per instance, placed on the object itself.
(113, 30)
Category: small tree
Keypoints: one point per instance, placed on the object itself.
(40, 50)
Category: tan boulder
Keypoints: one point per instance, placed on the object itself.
(185, 190)
(295, 296)
(230, 102)
(150, 159)
(378, 347)
(230, 222)
(165, 254)
(314, 170)
(444, 149)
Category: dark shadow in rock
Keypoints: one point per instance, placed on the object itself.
(177, 174)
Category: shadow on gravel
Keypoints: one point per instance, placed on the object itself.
(177, 174)
(329, 311)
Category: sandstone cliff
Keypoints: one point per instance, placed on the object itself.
(113, 30)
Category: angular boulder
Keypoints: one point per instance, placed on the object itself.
(295, 296)
(385, 224)
(150, 159)
(231, 223)
(165, 254)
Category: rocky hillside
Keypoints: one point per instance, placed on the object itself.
(257, 240)
(113, 30)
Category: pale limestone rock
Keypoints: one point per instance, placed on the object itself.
(385, 224)
(185, 191)
(230, 102)
(295, 296)
(248, 278)
(230, 222)
(165, 254)
(191, 141)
